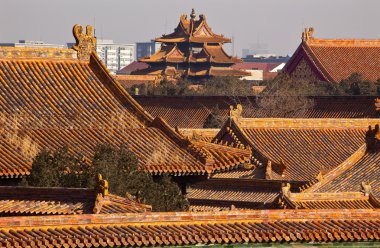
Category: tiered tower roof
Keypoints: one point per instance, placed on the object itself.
(192, 30)
(191, 50)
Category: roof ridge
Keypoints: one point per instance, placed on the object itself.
(344, 42)
(120, 93)
(189, 217)
(341, 168)
(43, 53)
(316, 61)
(307, 123)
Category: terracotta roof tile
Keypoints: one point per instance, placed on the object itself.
(21, 201)
(327, 200)
(174, 229)
(192, 111)
(134, 66)
(288, 143)
(350, 179)
(70, 102)
(336, 59)
(219, 194)
(12, 163)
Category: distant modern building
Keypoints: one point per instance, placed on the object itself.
(32, 43)
(258, 50)
(115, 56)
(259, 71)
(146, 49)
(273, 59)
(261, 54)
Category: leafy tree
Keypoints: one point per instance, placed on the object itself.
(214, 119)
(118, 166)
(225, 86)
(356, 85)
(58, 169)
(215, 86)
(285, 97)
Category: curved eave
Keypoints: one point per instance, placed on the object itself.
(227, 72)
(171, 40)
(209, 39)
(169, 60)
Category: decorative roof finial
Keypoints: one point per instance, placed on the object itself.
(102, 186)
(285, 190)
(377, 104)
(308, 34)
(366, 188)
(236, 113)
(372, 138)
(192, 15)
(85, 42)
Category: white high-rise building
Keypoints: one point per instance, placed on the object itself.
(115, 56)
(32, 43)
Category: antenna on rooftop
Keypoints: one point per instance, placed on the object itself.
(166, 24)
(94, 27)
(233, 45)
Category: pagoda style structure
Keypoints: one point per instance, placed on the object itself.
(191, 50)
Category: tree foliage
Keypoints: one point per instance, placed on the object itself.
(356, 85)
(284, 97)
(213, 86)
(117, 165)
(214, 119)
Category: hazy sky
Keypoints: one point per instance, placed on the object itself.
(278, 23)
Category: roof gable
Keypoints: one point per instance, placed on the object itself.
(23, 201)
(337, 59)
(69, 98)
(288, 143)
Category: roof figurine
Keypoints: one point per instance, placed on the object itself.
(192, 15)
(85, 42)
(308, 34)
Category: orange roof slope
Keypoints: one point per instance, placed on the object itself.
(333, 60)
(192, 111)
(167, 53)
(21, 201)
(192, 30)
(297, 149)
(214, 53)
(55, 97)
(12, 160)
(327, 200)
(175, 229)
(219, 194)
(352, 184)
(353, 177)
